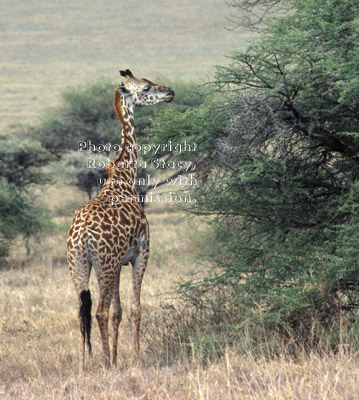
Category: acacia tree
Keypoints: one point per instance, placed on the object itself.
(195, 129)
(284, 197)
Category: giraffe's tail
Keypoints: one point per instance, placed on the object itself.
(85, 298)
(85, 318)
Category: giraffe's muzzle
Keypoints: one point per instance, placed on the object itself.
(170, 95)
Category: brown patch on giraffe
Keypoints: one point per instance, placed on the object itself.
(107, 218)
(95, 235)
(106, 227)
(110, 233)
(107, 237)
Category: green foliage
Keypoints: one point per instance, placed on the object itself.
(21, 160)
(307, 63)
(4, 248)
(73, 169)
(283, 192)
(20, 166)
(191, 126)
(19, 216)
(187, 94)
(87, 114)
(200, 125)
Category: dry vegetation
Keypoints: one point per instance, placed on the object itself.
(40, 335)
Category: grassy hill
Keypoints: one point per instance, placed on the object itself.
(47, 46)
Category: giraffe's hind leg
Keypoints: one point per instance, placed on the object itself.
(138, 269)
(102, 315)
(116, 317)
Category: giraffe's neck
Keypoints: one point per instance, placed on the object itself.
(126, 162)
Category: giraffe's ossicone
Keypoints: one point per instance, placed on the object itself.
(105, 235)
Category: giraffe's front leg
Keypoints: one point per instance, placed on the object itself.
(116, 317)
(138, 269)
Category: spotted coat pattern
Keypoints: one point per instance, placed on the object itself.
(106, 234)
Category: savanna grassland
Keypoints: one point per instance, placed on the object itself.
(39, 352)
(46, 47)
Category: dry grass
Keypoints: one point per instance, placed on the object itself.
(39, 354)
(237, 378)
(39, 335)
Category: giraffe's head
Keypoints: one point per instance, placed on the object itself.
(143, 92)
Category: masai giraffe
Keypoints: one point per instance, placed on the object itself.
(111, 230)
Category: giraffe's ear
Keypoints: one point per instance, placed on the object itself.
(126, 73)
(129, 73)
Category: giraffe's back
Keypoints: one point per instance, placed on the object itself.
(110, 235)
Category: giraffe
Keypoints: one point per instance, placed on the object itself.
(111, 230)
